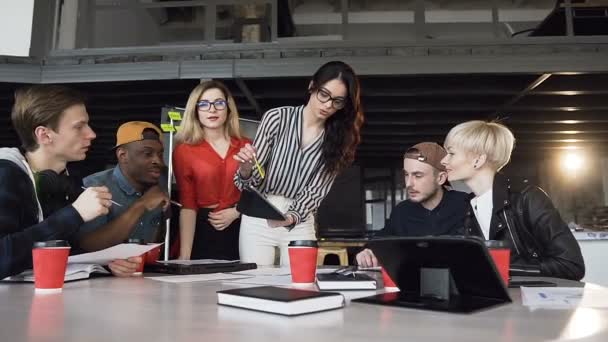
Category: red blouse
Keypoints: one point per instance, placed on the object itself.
(203, 177)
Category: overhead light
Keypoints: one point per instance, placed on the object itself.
(571, 148)
(572, 161)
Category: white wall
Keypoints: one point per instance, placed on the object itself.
(16, 18)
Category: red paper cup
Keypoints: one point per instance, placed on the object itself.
(152, 256)
(501, 255)
(303, 260)
(50, 261)
(388, 282)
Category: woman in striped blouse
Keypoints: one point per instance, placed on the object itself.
(301, 150)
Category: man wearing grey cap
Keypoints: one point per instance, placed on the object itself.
(430, 208)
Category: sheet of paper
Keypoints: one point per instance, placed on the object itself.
(105, 256)
(276, 280)
(565, 297)
(547, 297)
(266, 271)
(197, 277)
(200, 262)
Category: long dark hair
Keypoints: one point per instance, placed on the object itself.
(342, 130)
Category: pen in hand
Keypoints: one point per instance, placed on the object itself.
(117, 204)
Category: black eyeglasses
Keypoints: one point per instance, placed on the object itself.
(336, 102)
(414, 153)
(217, 104)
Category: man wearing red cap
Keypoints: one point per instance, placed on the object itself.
(430, 208)
(136, 184)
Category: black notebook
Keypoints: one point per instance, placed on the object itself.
(352, 281)
(254, 204)
(199, 268)
(278, 300)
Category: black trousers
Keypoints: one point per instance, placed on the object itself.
(210, 243)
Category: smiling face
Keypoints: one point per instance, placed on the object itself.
(212, 109)
(328, 98)
(142, 161)
(72, 139)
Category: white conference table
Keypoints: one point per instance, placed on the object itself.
(139, 309)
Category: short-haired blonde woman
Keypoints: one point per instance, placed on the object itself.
(513, 211)
(204, 166)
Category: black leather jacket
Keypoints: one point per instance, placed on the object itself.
(524, 217)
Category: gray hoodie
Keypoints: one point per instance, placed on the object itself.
(14, 155)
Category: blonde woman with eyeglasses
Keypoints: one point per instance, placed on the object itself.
(204, 166)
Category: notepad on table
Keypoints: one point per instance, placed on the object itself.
(72, 272)
(282, 301)
(353, 281)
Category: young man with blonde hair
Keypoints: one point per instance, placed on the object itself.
(53, 126)
(506, 209)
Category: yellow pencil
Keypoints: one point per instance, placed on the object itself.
(257, 164)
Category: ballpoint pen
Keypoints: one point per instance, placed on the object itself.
(118, 204)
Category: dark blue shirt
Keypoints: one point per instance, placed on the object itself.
(125, 194)
(412, 219)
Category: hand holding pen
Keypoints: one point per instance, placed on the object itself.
(93, 202)
(247, 157)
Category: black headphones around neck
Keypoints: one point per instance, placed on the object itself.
(54, 190)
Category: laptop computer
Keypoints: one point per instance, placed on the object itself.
(199, 267)
(452, 274)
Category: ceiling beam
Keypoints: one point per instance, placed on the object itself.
(537, 82)
(249, 96)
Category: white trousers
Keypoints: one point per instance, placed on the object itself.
(258, 242)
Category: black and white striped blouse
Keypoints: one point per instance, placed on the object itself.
(290, 170)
